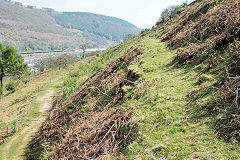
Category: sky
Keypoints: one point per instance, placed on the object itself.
(142, 13)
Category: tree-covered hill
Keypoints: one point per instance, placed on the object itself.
(106, 26)
(28, 28)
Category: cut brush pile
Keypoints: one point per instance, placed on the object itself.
(91, 123)
(100, 134)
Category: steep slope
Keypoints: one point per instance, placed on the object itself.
(211, 45)
(175, 99)
(34, 29)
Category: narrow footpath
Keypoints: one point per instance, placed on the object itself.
(15, 147)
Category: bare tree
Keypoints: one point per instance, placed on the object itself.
(84, 47)
(168, 11)
(63, 61)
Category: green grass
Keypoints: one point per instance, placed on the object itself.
(15, 145)
(13, 148)
(54, 81)
(33, 114)
(169, 125)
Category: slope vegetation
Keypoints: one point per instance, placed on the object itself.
(175, 99)
(211, 45)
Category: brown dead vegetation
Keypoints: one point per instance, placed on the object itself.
(186, 18)
(143, 87)
(212, 27)
(221, 26)
(88, 116)
(228, 105)
(204, 24)
(100, 134)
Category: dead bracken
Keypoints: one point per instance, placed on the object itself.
(207, 31)
(90, 123)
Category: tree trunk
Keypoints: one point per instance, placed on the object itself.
(1, 77)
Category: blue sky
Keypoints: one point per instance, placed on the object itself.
(142, 13)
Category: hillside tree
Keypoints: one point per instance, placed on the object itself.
(11, 63)
(84, 47)
(64, 60)
(53, 62)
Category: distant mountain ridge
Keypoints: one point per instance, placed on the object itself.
(31, 29)
(98, 24)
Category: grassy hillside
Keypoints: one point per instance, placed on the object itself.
(24, 106)
(109, 27)
(175, 99)
(33, 29)
(171, 93)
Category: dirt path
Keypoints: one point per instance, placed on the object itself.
(21, 139)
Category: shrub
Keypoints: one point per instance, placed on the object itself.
(25, 81)
(71, 83)
(96, 66)
(11, 86)
(69, 86)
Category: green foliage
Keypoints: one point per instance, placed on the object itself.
(144, 31)
(26, 77)
(170, 125)
(216, 1)
(11, 63)
(100, 31)
(25, 81)
(11, 86)
(170, 12)
(54, 62)
(45, 147)
(69, 85)
(96, 66)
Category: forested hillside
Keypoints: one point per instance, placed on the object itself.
(110, 27)
(29, 29)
